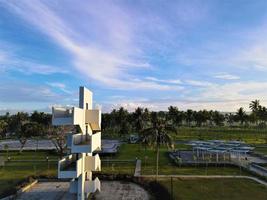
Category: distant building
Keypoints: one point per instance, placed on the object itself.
(82, 161)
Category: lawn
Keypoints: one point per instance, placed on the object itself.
(166, 166)
(249, 135)
(123, 162)
(261, 149)
(16, 171)
(215, 189)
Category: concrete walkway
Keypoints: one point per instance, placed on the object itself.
(137, 171)
(48, 191)
(120, 190)
(116, 190)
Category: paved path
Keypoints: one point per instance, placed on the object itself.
(118, 190)
(109, 190)
(206, 177)
(262, 171)
(137, 171)
(48, 191)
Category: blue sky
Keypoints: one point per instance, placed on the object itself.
(191, 54)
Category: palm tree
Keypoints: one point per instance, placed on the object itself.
(255, 108)
(230, 118)
(254, 105)
(241, 115)
(189, 116)
(139, 119)
(218, 118)
(158, 134)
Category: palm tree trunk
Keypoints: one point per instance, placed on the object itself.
(157, 164)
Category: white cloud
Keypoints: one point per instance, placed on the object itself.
(172, 81)
(198, 83)
(226, 76)
(106, 43)
(23, 92)
(225, 97)
(60, 86)
(9, 61)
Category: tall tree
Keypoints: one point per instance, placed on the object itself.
(3, 128)
(41, 118)
(139, 120)
(175, 115)
(230, 119)
(158, 134)
(218, 118)
(24, 131)
(254, 105)
(241, 115)
(57, 134)
(189, 116)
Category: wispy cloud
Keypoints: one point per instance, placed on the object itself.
(226, 76)
(60, 86)
(198, 83)
(223, 97)
(23, 92)
(9, 61)
(172, 81)
(111, 50)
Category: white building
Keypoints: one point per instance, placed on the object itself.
(79, 165)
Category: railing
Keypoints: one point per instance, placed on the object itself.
(62, 116)
(86, 143)
(65, 162)
(69, 167)
(62, 112)
(81, 143)
(68, 116)
(80, 139)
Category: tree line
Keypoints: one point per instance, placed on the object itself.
(122, 121)
(23, 126)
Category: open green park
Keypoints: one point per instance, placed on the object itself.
(35, 164)
(215, 189)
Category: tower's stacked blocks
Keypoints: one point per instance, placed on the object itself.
(78, 166)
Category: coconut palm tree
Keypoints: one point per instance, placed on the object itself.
(158, 134)
(255, 108)
(241, 115)
(254, 105)
(139, 119)
(189, 116)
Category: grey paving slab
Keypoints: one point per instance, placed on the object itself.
(121, 191)
(48, 191)
(114, 190)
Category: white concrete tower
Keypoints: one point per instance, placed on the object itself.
(78, 166)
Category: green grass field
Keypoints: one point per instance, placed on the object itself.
(166, 166)
(249, 135)
(15, 171)
(35, 164)
(261, 149)
(215, 189)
